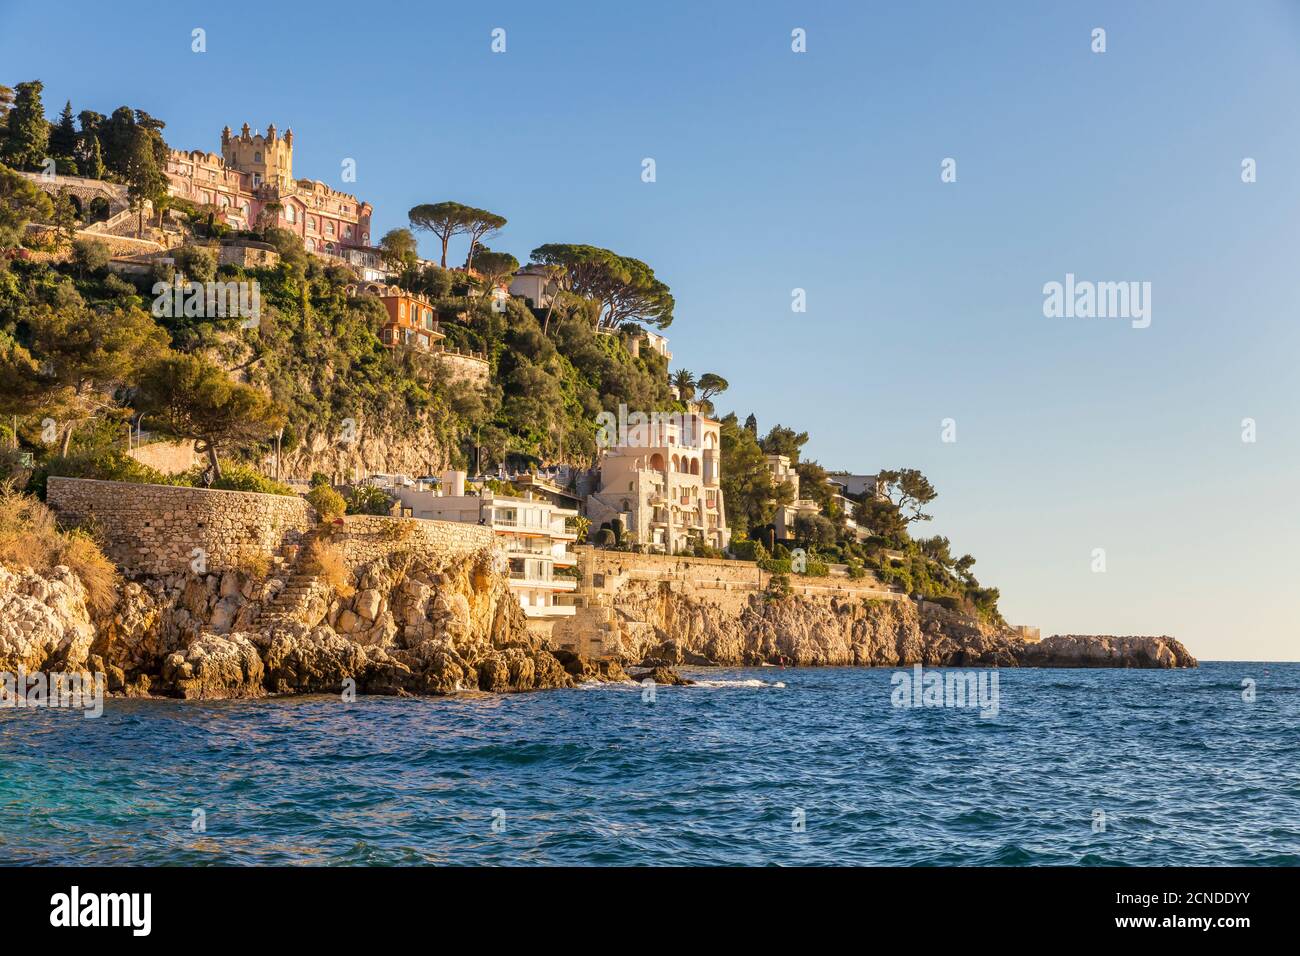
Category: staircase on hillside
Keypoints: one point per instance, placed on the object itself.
(290, 604)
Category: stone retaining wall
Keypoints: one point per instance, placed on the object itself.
(156, 529)
(711, 573)
(365, 538)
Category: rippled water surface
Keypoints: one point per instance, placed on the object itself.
(1185, 771)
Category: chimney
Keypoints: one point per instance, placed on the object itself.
(453, 483)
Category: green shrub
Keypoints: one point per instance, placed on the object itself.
(816, 568)
(329, 504)
(89, 255)
(319, 478)
(197, 263)
(778, 587)
(369, 500)
(107, 466)
(605, 538)
(243, 478)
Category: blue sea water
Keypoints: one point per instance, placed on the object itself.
(1185, 771)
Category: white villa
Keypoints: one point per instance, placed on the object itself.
(534, 283)
(530, 532)
(783, 472)
(662, 481)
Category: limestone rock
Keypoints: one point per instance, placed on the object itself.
(44, 622)
(368, 604)
(215, 667)
(1093, 650)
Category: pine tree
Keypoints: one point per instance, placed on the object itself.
(91, 157)
(65, 218)
(116, 136)
(27, 132)
(63, 136)
(144, 181)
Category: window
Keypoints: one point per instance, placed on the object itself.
(257, 157)
(329, 228)
(311, 223)
(347, 231)
(288, 214)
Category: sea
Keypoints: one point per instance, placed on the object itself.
(753, 767)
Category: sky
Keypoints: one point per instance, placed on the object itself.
(821, 171)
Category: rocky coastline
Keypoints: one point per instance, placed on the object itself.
(658, 625)
(417, 625)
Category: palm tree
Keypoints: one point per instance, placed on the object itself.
(684, 382)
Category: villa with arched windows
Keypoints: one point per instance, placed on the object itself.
(662, 483)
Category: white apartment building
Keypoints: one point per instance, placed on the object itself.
(783, 472)
(654, 342)
(534, 283)
(662, 481)
(530, 532)
(855, 485)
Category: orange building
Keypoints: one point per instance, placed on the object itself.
(412, 320)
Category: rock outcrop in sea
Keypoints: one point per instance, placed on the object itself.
(663, 625)
(417, 624)
(412, 625)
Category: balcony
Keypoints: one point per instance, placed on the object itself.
(521, 579)
(554, 610)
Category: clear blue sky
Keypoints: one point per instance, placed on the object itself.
(821, 171)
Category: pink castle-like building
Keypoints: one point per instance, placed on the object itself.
(255, 171)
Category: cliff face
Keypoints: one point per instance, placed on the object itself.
(418, 447)
(660, 624)
(411, 625)
(414, 624)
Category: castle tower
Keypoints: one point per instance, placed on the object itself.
(268, 159)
